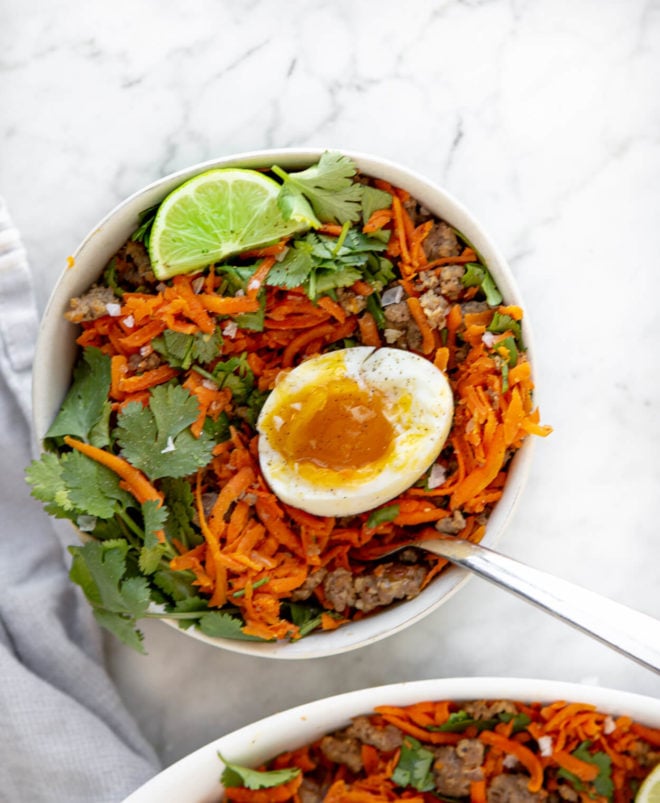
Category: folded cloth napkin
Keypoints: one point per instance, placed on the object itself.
(64, 732)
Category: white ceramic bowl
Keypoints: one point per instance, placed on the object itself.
(195, 778)
(56, 351)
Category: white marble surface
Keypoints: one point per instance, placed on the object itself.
(542, 116)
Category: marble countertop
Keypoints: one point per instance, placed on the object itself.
(542, 117)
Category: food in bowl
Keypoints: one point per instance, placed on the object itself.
(631, 747)
(177, 445)
(481, 751)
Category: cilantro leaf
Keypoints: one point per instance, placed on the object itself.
(48, 486)
(374, 199)
(326, 280)
(254, 321)
(153, 549)
(305, 615)
(85, 403)
(218, 624)
(505, 323)
(327, 185)
(294, 269)
(237, 775)
(178, 586)
(478, 276)
(99, 434)
(603, 782)
(181, 350)
(379, 271)
(92, 488)
(520, 720)
(73, 485)
(123, 627)
(99, 568)
(460, 721)
(181, 507)
(157, 438)
(321, 263)
(414, 766)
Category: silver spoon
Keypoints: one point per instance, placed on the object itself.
(631, 632)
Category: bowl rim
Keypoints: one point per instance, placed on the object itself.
(195, 777)
(109, 234)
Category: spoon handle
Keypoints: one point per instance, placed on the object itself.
(630, 632)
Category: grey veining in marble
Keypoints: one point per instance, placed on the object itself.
(543, 117)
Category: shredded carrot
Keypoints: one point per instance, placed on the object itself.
(478, 791)
(332, 229)
(529, 760)
(229, 305)
(332, 308)
(256, 550)
(259, 277)
(581, 769)
(379, 772)
(157, 376)
(369, 334)
(362, 288)
(419, 316)
(378, 220)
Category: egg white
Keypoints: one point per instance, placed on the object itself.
(418, 403)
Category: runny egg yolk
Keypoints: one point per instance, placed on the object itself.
(349, 430)
(339, 426)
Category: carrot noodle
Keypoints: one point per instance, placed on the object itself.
(255, 550)
(570, 750)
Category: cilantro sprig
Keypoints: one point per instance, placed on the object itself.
(321, 264)
(327, 186)
(414, 766)
(460, 721)
(238, 775)
(477, 275)
(603, 784)
(86, 403)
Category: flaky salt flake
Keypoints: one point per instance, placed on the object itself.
(170, 447)
(437, 476)
(488, 339)
(545, 746)
(609, 725)
(129, 321)
(86, 524)
(392, 296)
(230, 329)
(114, 310)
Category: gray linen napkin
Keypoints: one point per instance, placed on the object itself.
(64, 732)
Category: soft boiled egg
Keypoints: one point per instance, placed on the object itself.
(344, 432)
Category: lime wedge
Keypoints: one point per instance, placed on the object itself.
(214, 215)
(649, 791)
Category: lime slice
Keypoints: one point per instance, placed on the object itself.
(214, 215)
(649, 791)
